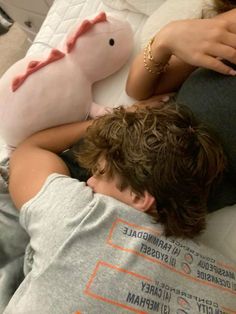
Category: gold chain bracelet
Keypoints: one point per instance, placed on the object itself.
(157, 67)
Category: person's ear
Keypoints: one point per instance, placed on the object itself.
(143, 202)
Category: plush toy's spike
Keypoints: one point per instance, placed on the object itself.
(34, 66)
(84, 27)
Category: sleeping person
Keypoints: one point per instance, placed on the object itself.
(189, 94)
(152, 168)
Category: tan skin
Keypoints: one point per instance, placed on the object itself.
(185, 45)
(40, 153)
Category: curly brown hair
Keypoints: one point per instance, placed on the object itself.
(164, 151)
(224, 5)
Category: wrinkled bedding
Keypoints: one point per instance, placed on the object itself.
(13, 241)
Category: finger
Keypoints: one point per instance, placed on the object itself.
(232, 27)
(158, 98)
(143, 105)
(165, 98)
(229, 39)
(151, 104)
(161, 97)
(152, 101)
(217, 65)
(223, 52)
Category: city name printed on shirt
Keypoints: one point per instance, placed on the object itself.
(172, 261)
(144, 295)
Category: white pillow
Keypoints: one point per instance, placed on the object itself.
(146, 7)
(170, 10)
(220, 233)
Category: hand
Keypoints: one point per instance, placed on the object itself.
(154, 101)
(200, 42)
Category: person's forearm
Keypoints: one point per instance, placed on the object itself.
(60, 138)
(141, 83)
(190, 43)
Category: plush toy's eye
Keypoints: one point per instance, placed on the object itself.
(111, 42)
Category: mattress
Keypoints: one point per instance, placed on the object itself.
(63, 16)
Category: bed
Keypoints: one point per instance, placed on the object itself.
(221, 232)
(62, 16)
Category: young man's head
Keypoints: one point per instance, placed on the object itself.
(158, 157)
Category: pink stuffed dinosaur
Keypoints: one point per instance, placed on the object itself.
(41, 92)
